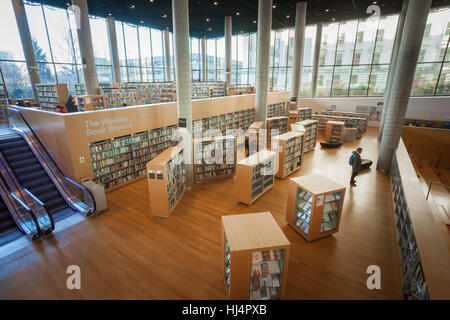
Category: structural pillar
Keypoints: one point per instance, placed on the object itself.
(113, 48)
(300, 21)
(180, 14)
(263, 58)
(167, 55)
(204, 66)
(228, 33)
(86, 48)
(394, 57)
(27, 44)
(408, 55)
(315, 73)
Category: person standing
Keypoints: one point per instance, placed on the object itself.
(70, 105)
(355, 162)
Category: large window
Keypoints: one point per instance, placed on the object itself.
(101, 49)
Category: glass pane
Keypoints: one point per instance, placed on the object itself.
(134, 74)
(157, 46)
(11, 47)
(377, 82)
(280, 78)
(38, 33)
(159, 74)
(324, 81)
(147, 75)
(123, 74)
(243, 76)
(16, 79)
(385, 39)
(233, 58)
(305, 90)
(425, 79)
(365, 41)
(331, 211)
(444, 81)
(252, 77)
(100, 40)
(60, 35)
(281, 47)
(359, 81)
(120, 45)
(252, 51)
(308, 48)
(435, 38)
(105, 74)
(145, 45)
(289, 78)
(243, 51)
(341, 81)
(67, 73)
(328, 45)
(291, 47)
(195, 54)
(46, 72)
(303, 206)
(221, 53)
(132, 48)
(272, 47)
(346, 42)
(211, 54)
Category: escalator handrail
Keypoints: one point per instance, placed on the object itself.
(52, 221)
(5, 193)
(54, 176)
(13, 182)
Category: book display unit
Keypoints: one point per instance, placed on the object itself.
(364, 116)
(254, 135)
(166, 177)
(203, 90)
(255, 176)
(240, 89)
(232, 120)
(119, 160)
(334, 130)
(276, 110)
(89, 103)
(289, 148)
(348, 123)
(314, 206)
(304, 114)
(116, 97)
(214, 157)
(414, 284)
(51, 95)
(276, 123)
(256, 256)
(293, 117)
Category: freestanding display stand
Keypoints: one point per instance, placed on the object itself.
(289, 149)
(256, 256)
(314, 205)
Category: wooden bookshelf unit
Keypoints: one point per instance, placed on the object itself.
(304, 114)
(276, 123)
(90, 103)
(314, 206)
(289, 149)
(255, 176)
(309, 128)
(334, 131)
(214, 157)
(364, 116)
(116, 97)
(253, 135)
(256, 257)
(276, 110)
(166, 178)
(51, 95)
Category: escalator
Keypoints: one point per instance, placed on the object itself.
(8, 226)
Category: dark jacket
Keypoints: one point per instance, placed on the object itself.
(356, 167)
(70, 106)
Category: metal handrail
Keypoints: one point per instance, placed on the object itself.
(62, 183)
(426, 148)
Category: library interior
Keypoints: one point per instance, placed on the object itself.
(215, 150)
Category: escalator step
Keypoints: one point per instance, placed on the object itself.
(33, 176)
(12, 143)
(13, 151)
(54, 204)
(25, 170)
(42, 188)
(30, 185)
(6, 224)
(46, 197)
(19, 157)
(28, 162)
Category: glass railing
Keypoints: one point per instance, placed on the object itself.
(78, 197)
(43, 217)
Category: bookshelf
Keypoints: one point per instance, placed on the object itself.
(293, 117)
(223, 122)
(348, 123)
(116, 97)
(255, 176)
(256, 257)
(240, 89)
(276, 110)
(166, 177)
(304, 114)
(364, 116)
(314, 206)
(122, 159)
(214, 157)
(80, 89)
(89, 103)
(276, 123)
(253, 135)
(289, 149)
(334, 131)
(51, 95)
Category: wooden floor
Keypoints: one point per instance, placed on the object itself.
(124, 255)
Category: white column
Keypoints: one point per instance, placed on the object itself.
(316, 59)
(263, 58)
(27, 44)
(113, 48)
(86, 48)
(228, 33)
(300, 21)
(167, 55)
(204, 59)
(408, 55)
(180, 13)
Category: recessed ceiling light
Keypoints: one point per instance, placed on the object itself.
(274, 6)
(237, 13)
(209, 29)
(215, 3)
(67, 3)
(132, 6)
(333, 19)
(375, 2)
(288, 16)
(207, 19)
(254, 21)
(164, 16)
(142, 21)
(327, 10)
(152, 1)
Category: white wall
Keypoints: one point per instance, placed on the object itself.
(426, 108)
